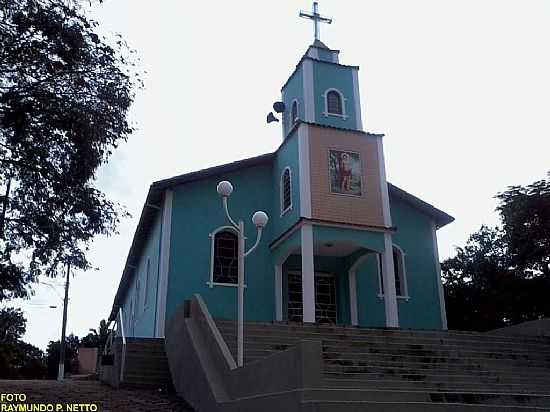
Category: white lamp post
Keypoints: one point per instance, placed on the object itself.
(259, 219)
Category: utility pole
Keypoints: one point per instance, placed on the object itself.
(61, 371)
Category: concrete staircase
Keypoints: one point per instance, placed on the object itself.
(393, 370)
(145, 364)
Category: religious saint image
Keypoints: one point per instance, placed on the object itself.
(344, 172)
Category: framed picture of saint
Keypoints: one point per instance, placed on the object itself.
(344, 170)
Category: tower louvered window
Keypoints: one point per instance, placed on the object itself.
(334, 103)
(294, 113)
(225, 268)
(286, 191)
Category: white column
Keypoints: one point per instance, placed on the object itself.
(352, 278)
(279, 292)
(439, 282)
(305, 171)
(162, 289)
(308, 274)
(309, 96)
(388, 271)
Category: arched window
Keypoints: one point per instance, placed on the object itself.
(400, 274)
(286, 191)
(334, 102)
(225, 245)
(294, 113)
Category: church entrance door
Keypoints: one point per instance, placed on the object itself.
(325, 297)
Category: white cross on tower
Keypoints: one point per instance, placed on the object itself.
(317, 18)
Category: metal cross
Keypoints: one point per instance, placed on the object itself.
(317, 18)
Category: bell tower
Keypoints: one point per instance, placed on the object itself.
(339, 169)
(321, 90)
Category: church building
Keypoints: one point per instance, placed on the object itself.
(342, 245)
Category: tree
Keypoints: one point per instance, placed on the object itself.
(501, 276)
(12, 325)
(525, 213)
(65, 92)
(17, 358)
(96, 339)
(72, 344)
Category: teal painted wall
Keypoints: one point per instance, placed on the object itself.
(287, 156)
(362, 238)
(294, 89)
(326, 55)
(421, 309)
(370, 308)
(327, 76)
(414, 236)
(143, 303)
(196, 212)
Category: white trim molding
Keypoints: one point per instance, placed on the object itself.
(388, 271)
(357, 100)
(308, 275)
(383, 183)
(212, 236)
(282, 191)
(304, 170)
(309, 96)
(146, 293)
(313, 52)
(284, 128)
(164, 265)
(439, 281)
(352, 279)
(343, 101)
(401, 271)
(402, 276)
(279, 292)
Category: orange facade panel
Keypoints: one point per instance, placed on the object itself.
(345, 177)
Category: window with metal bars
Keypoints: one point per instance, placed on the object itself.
(286, 191)
(334, 103)
(225, 268)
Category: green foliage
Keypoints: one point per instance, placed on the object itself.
(65, 92)
(501, 276)
(525, 213)
(96, 339)
(18, 360)
(72, 344)
(12, 325)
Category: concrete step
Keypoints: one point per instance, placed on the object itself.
(390, 336)
(290, 338)
(381, 332)
(435, 369)
(433, 376)
(341, 349)
(472, 397)
(144, 348)
(468, 386)
(367, 406)
(421, 363)
(422, 358)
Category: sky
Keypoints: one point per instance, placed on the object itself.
(460, 89)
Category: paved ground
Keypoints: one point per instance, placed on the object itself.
(90, 391)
